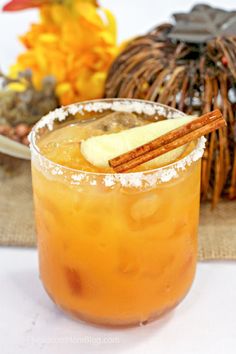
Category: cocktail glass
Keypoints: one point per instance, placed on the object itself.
(115, 249)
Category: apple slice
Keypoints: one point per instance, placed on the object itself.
(98, 150)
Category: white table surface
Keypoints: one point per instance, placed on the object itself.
(205, 323)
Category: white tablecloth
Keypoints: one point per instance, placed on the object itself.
(204, 323)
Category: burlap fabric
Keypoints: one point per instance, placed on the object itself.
(217, 234)
(16, 216)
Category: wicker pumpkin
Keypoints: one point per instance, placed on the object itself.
(192, 70)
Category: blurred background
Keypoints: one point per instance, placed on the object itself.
(133, 17)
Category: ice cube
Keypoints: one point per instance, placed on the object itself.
(145, 207)
(116, 121)
(128, 261)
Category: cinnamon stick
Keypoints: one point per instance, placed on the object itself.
(170, 141)
(165, 139)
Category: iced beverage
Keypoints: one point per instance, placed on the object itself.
(114, 249)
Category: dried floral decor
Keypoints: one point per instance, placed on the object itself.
(66, 57)
(74, 41)
(190, 65)
(21, 105)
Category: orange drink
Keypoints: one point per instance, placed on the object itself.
(114, 249)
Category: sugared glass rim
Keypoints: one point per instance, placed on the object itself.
(164, 173)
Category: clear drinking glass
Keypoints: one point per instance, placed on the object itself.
(114, 249)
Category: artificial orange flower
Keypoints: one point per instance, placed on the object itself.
(75, 41)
